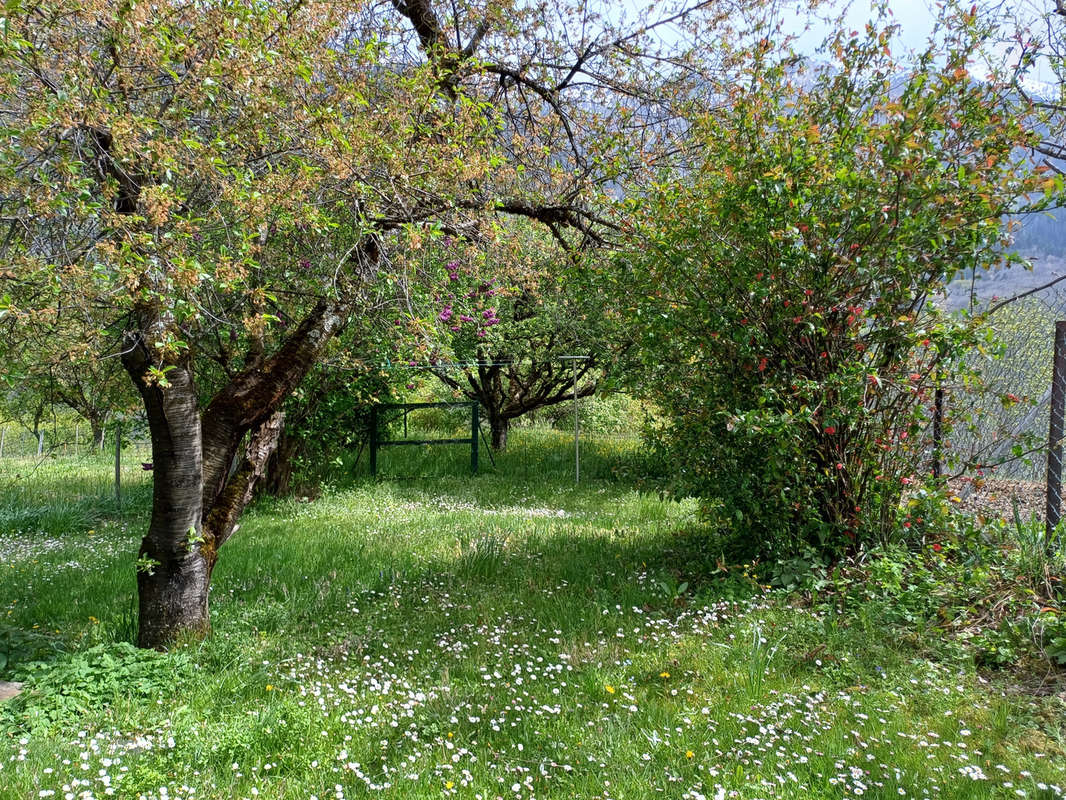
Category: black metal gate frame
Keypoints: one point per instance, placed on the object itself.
(475, 424)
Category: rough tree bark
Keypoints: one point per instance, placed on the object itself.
(198, 495)
(172, 570)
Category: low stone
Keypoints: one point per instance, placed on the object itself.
(9, 689)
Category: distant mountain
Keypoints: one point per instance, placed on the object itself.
(1041, 240)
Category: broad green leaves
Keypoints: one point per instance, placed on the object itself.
(788, 291)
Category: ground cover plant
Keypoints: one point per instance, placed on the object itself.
(515, 635)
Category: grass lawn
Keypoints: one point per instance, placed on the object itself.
(505, 636)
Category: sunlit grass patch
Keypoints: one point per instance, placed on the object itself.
(496, 636)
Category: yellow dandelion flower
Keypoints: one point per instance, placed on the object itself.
(450, 734)
(664, 674)
(609, 688)
(270, 687)
(689, 754)
(449, 784)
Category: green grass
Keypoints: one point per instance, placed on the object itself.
(510, 635)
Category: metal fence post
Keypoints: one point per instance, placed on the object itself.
(475, 426)
(1053, 507)
(577, 430)
(118, 466)
(374, 440)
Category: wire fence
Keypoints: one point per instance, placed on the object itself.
(1003, 426)
(993, 432)
(67, 465)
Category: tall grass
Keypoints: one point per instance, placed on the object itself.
(502, 635)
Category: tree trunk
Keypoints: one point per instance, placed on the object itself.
(220, 519)
(173, 570)
(278, 479)
(97, 424)
(499, 426)
(197, 497)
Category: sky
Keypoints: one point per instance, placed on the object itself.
(916, 20)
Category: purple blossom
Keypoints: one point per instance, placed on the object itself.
(445, 314)
(465, 318)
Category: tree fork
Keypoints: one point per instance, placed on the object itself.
(196, 499)
(254, 394)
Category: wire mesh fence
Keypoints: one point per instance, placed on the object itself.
(66, 467)
(996, 427)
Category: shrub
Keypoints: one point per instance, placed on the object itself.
(783, 292)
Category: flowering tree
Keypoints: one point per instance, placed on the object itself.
(222, 180)
(786, 291)
(491, 319)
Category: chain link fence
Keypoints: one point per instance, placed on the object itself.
(992, 436)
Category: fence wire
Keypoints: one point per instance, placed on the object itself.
(63, 467)
(999, 430)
